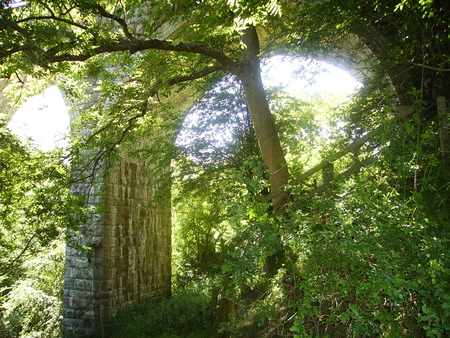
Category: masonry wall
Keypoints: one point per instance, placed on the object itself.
(136, 248)
(129, 242)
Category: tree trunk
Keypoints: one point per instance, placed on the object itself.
(263, 121)
(444, 134)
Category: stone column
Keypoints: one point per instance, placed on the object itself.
(127, 255)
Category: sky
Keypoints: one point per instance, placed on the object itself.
(16, 3)
(45, 120)
(297, 75)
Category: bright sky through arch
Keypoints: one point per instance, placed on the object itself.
(43, 119)
(301, 76)
(15, 3)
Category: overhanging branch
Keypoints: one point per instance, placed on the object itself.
(438, 69)
(102, 11)
(55, 18)
(134, 46)
(11, 51)
(130, 122)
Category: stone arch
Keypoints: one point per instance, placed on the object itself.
(117, 271)
(129, 256)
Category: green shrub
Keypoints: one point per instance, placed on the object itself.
(371, 265)
(179, 316)
(32, 307)
(30, 312)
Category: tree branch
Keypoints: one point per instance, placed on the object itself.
(94, 161)
(134, 46)
(102, 11)
(53, 17)
(438, 69)
(10, 265)
(196, 76)
(153, 91)
(11, 51)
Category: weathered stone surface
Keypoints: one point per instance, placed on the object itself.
(130, 250)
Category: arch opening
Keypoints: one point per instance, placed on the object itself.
(217, 145)
(212, 124)
(43, 120)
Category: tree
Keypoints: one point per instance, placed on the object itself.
(36, 206)
(221, 36)
(32, 305)
(36, 211)
(165, 43)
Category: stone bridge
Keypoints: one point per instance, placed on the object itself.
(128, 259)
(126, 254)
(129, 256)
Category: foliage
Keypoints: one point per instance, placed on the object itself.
(37, 209)
(368, 258)
(218, 127)
(36, 204)
(309, 122)
(363, 260)
(183, 315)
(373, 256)
(32, 306)
(219, 164)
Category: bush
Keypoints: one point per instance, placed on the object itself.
(371, 265)
(32, 307)
(179, 316)
(30, 312)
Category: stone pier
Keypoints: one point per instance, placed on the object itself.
(127, 255)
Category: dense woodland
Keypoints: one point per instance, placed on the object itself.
(255, 253)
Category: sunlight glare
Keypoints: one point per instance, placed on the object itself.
(299, 76)
(43, 119)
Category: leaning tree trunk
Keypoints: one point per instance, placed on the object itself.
(263, 121)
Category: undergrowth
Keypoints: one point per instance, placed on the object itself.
(180, 316)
